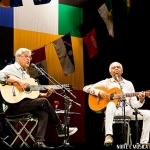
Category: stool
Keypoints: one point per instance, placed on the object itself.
(120, 120)
(22, 120)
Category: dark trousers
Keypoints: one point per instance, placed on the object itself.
(40, 108)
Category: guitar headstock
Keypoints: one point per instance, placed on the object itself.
(68, 87)
(147, 93)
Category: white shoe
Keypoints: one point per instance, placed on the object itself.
(108, 140)
(61, 131)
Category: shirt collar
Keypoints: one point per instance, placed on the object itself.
(18, 66)
(113, 80)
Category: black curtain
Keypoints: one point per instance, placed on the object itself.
(129, 46)
(6, 42)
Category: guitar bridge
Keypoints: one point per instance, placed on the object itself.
(13, 90)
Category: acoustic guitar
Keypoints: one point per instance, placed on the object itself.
(13, 93)
(97, 104)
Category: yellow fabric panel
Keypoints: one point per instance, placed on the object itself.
(35, 40)
(5, 3)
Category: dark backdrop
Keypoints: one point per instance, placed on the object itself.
(6, 42)
(130, 47)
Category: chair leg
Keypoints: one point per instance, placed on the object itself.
(18, 134)
(128, 134)
(130, 139)
(19, 125)
(3, 141)
(29, 131)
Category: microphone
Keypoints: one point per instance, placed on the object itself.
(34, 66)
(116, 75)
(136, 110)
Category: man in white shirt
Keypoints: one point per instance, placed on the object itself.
(112, 109)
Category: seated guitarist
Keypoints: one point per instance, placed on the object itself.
(40, 106)
(112, 109)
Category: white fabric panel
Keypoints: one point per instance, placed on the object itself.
(39, 18)
(105, 14)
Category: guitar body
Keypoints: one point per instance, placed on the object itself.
(14, 93)
(98, 106)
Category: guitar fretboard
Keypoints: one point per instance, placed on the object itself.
(131, 94)
(44, 87)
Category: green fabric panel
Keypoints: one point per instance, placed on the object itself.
(127, 6)
(109, 5)
(69, 19)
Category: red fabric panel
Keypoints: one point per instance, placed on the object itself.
(91, 43)
(76, 120)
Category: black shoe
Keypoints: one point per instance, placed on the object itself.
(41, 145)
(61, 131)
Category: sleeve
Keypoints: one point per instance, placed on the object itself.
(4, 74)
(135, 103)
(3, 78)
(91, 89)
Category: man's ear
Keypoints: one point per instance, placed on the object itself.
(16, 58)
(110, 73)
(122, 71)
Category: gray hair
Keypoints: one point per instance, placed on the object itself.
(22, 50)
(113, 63)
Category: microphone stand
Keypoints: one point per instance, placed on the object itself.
(123, 100)
(67, 102)
(66, 123)
(50, 77)
(136, 123)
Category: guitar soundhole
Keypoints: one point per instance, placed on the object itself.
(27, 89)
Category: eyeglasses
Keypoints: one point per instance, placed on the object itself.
(29, 57)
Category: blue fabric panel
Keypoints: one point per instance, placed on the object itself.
(68, 44)
(6, 17)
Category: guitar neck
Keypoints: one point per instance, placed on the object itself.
(131, 94)
(126, 95)
(44, 87)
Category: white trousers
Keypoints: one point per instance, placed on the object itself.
(112, 111)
